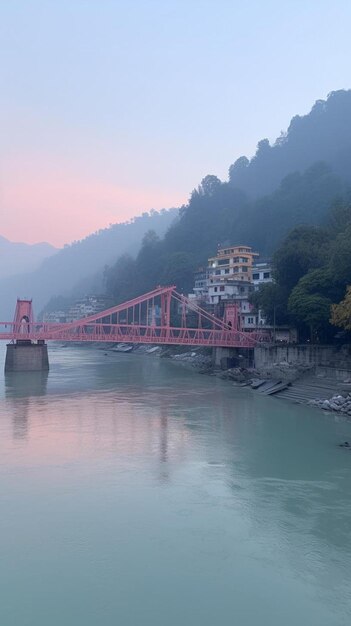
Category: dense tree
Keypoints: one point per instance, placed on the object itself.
(179, 271)
(341, 313)
(305, 248)
(238, 167)
(120, 280)
(323, 134)
(340, 257)
(209, 185)
(310, 302)
(272, 301)
(304, 289)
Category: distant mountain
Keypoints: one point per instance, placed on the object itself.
(292, 182)
(22, 257)
(322, 135)
(77, 269)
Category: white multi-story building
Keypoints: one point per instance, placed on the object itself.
(231, 276)
(89, 305)
(262, 273)
(55, 317)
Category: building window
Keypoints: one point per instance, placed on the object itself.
(255, 277)
(216, 289)
(226, 271)
(244, 269)
(221, 288)
(266, 275)
(250, 320)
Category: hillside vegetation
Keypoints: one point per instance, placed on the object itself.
(77, 268)
(309, 167)
(291, 184)
(312, 271)
(322, 135)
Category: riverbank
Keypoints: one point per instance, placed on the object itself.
(327, 389)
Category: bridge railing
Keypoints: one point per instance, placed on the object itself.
(160, 316)
(128, 333)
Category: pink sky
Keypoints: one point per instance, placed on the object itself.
(39, 206)
(109, 109)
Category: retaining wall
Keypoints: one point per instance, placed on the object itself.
(324, 358)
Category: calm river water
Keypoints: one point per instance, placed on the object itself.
(134, 492)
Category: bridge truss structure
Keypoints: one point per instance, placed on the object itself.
(160, 317)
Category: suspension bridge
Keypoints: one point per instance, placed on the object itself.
(159, 317)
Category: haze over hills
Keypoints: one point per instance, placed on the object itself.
(22, 257)
(322, 135)
(293, 182)
(77, 268)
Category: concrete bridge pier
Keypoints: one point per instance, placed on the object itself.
(232, 357)
(26, 356)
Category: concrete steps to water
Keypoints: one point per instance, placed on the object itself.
(310, 388)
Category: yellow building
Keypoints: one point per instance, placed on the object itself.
(232, 264)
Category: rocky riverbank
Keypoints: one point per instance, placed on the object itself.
(291, 381)
(337, 403)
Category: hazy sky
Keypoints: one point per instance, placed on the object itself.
(109, 108)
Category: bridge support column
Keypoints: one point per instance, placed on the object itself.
(26, 356)
(232, 357)
(222, 356)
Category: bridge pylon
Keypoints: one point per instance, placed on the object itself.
(23, 354)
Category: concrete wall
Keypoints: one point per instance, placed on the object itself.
(26, 357)
(319, 356)
(241, 357)
(220, 353)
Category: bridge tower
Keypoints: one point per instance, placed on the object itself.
(24, 354)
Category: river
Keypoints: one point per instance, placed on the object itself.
(135, 492)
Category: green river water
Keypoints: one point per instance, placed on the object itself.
(135, 492)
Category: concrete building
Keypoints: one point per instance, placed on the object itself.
(226, 284)
(230, 282)
(231, 289)
(201, 283)
(55, 317)
(89, 305)
(232, 263)
(262, 273)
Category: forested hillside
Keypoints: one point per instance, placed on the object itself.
(322, 135)
(292, 183)
(78, 268)
(312, 270)
(218, 214)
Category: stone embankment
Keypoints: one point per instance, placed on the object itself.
(302, 385)
(297, 382)
(337, 403)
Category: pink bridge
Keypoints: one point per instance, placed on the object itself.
(161, 316)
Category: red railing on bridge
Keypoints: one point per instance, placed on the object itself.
(161, 316)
